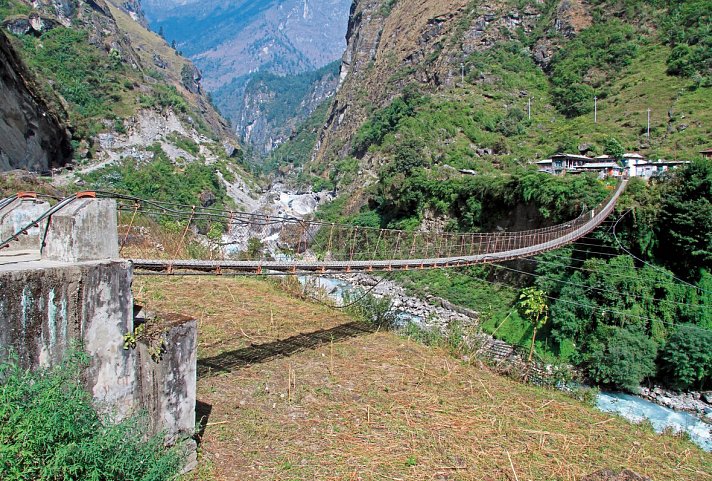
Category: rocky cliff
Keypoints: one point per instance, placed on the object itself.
(127, 107)
(394, 44)
(33, 136)
(82, 71)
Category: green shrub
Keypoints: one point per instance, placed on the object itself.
(385, 121)
(587, 61)
(687, 29)
(620, 357)
(685, 226)
(49, 431)
(160, 180)
(369, 308)
(168, 96)
(687, 357)
(83, 75)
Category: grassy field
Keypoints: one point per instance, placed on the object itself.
(294, 390)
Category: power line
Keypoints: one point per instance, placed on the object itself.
(604, 309)
(654, 299)
(647, 263)
(568, 266)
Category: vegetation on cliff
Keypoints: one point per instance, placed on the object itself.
(437, 124)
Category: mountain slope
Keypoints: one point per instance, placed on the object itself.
(134, 108)
(483, 61)
(231, 38)
(249, 51)
(34, 136)
(270, 106)
(431, 130)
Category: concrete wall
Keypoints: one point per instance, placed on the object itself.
(167, 387)
(82, 231)
(45, 306)
(16, 216)
(75, 296)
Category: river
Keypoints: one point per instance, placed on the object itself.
(637, 409)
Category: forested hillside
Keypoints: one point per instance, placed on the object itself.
(250, 51)
(129, 102)
(445, 107)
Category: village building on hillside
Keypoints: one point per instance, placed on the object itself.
(707, 153)
(633, 165)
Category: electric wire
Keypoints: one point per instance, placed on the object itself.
(589, 288)
(604, 309)
(647, 263)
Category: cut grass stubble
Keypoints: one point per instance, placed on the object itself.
(373, 405)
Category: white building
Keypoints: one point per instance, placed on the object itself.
(634, 165)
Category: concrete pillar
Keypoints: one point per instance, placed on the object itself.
(84, 230)
(17, 215)
(168, 385)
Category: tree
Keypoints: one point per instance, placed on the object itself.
(687, 357)
(161, 33)
(619, 357)
(612, 147)
(685, 223)
(533, 307)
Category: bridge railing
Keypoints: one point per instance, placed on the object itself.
(164, 232)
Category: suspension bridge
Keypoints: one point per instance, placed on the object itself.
(163, 238)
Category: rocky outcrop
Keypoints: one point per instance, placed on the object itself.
(135, 10)
(33, 136)
(697, 403)
(34, 24)
(428, 43)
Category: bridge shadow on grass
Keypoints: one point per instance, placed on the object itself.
(258, 353)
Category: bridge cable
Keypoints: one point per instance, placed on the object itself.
(48, 213)
(639, 296)
(670, 274)
(604, 309)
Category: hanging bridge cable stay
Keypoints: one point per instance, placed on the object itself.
(4, 202)
(670, 274)
(317, 246)
(598, 289)
(597, 308)
(48, 213)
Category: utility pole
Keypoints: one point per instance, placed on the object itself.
(462, 73)
(648, 125)
(529, 108)
(595, 109)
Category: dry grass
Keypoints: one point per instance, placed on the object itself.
(372, 405)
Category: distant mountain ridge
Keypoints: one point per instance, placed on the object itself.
(228, 39)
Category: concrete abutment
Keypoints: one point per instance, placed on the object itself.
(78, 291)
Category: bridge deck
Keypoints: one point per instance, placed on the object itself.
(172, 266)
